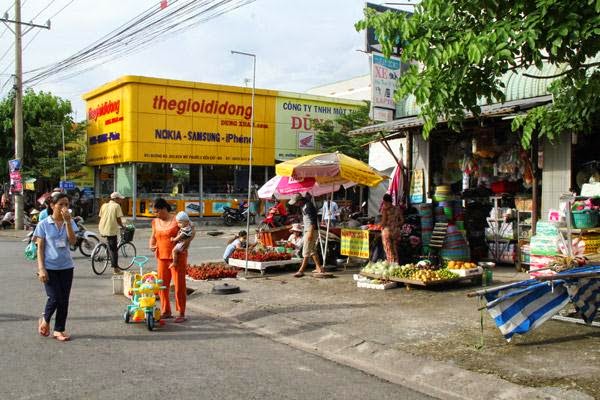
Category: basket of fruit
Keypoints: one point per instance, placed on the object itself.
(463, 268)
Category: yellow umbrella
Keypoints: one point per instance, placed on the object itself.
(330, 167)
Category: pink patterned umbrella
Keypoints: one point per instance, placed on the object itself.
(284, 187)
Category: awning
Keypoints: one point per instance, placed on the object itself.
(497, 109)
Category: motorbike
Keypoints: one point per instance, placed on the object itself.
(86, 240)
(274, 220)
(232, 216)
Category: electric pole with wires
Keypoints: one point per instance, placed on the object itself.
(19, 206)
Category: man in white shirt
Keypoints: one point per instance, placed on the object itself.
(330, 212)
(110, 221)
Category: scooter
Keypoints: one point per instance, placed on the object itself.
(86, 240)
(232, 216)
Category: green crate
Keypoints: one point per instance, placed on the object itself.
(585, 219)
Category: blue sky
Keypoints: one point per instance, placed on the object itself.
(299, 45)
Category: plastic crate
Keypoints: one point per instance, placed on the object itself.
(585, 219)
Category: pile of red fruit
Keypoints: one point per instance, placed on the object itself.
(216, 270)
(240, 254)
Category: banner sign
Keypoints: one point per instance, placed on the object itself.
(355, 243)
(372, 42)
(295, 132)
(416, 187)
(16, 181)
(384, 75)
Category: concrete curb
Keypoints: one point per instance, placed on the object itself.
(435, 378)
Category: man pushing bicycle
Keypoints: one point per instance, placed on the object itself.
(110, 222)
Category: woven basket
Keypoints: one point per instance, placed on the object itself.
(585, 219)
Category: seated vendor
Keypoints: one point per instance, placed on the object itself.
(280, 212)
(238, 242)
(295, 239)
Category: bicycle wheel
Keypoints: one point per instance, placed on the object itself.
(100, 258)
(128, 251)
(88, 245)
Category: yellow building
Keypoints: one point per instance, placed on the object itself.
(190, 142)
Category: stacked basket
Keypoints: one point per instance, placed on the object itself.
(455, 246)
(426, 214)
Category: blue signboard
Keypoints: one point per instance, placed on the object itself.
(67, 185)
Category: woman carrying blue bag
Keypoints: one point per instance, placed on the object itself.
(55, 265)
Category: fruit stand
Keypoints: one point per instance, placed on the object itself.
(423, 273)
(262, 258)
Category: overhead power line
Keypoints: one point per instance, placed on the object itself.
(149, 27)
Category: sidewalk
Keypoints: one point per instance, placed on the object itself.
(424, 339)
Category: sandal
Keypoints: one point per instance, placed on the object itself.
(166, 316)
(43, 328)
(298, 274)
(61, 337)
(180, 319)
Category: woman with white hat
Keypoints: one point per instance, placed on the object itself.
(296, 238)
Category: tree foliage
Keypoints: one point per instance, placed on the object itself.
(333, 136)
(460, 49)
(43, 116)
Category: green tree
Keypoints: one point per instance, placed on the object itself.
(43, 116)
(459, 50)
(333, 136)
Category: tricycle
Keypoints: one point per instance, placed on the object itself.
(143, 307)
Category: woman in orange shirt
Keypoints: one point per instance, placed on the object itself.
(164, 227)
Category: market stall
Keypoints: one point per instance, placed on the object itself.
(330, 170)
(260, 258)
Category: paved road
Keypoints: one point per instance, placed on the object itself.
(201, 359)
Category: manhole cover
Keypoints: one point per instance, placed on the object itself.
(225, 289)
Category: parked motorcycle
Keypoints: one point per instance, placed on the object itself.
(86, 240)
(232, 216)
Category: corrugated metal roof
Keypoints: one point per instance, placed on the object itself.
(517, 86)
(488, 110)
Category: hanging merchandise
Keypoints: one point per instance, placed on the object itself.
(508, 164)
(526, 169)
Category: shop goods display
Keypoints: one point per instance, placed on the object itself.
(261, 256)
(455, 245)
(268, 237)
(421, 271)
(426, 214)
(205, 271)
(543, 247)
(461, 268)
(368, 283)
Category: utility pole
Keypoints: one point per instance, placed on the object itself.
(19, 206)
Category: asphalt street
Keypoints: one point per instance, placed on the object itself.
(203, 358)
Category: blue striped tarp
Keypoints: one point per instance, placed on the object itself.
(525, 305)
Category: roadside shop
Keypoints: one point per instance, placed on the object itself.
(189, 142)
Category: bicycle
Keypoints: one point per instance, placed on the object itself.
(126, 249)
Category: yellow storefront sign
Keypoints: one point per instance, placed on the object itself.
(136, 119)
(140, 119)
(355, 243)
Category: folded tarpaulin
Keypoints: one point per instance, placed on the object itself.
(525, 305)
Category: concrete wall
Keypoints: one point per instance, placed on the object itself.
(556, 173)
